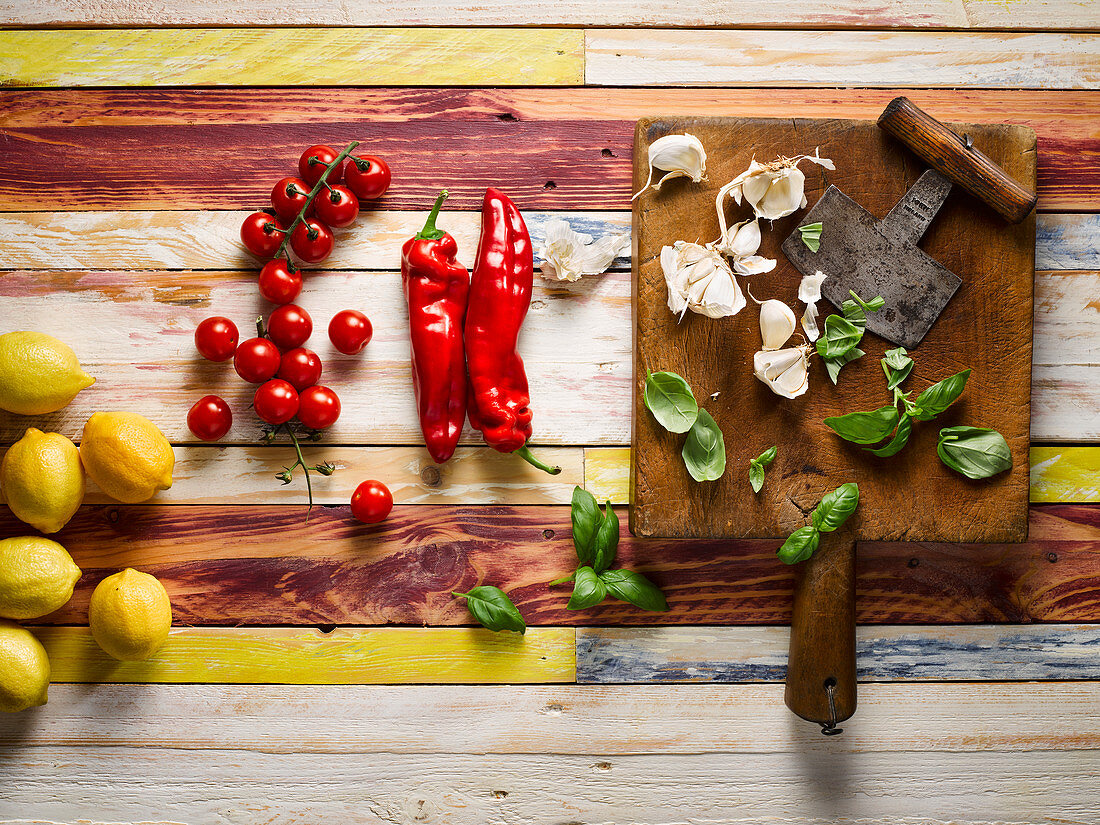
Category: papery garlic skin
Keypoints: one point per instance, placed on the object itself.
(681, 156)
(773, 190)
(567, 255)
(776, 324)
(700, 280)
(809, 292)
(785, 371)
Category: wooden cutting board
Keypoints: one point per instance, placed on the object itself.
(987, 327)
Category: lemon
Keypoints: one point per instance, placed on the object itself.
(24, 669)
(37, 577)
(38, 373)
(126, 455)
(43, 480)
(130, 615)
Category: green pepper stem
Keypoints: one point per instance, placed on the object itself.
(524, 453)
(430, 232)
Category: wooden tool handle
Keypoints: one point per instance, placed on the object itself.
(950, 155)
(821, 665)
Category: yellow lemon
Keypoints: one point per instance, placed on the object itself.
(130, 615)
(37, 577)
(24, 669)
(38, 373)
(43, 480)
(126, 455)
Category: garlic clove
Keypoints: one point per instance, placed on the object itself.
(699, 279)
(777, 324)
(678, 156)
(786, 372)
(753, 265)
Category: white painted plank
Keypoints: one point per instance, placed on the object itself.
(635, 57)
(209, 240)
(619, 655)
(561, 719)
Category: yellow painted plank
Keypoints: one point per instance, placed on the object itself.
(1058, 474)
(992, 60)
(306, 656)
(1065, 474)
(292, 57)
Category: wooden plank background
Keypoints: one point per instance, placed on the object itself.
(325, 662)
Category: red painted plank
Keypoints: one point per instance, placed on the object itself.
(269, 565)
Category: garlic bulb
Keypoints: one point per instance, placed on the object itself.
(567, 255)
(740, 243)
(776, 324)
(681, 156)
(699, 279)
(809, 292)
(773, 190)
(785, 371)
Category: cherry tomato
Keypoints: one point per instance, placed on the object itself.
(301, 367)
(261, 234)
(311, 165)
(368, 177)
(210, 418)
(319, 407)
(289, 196)
(371, 502)
(289, 326)
(276, 402)
(311, 241)
(337, 207)
(350, 330)
(257, 360)
(278, 283)
(216, 338)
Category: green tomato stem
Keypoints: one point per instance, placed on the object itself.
(317, 187)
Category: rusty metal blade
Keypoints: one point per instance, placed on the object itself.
(856, 255)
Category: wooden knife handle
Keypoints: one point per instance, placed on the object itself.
(949, 155)
(822, 660)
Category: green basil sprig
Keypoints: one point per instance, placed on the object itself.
(705, 449)
(976, 452)
(837, 346)
(831, 512)
(596, 539)
(669, 397)
(840, 337)
(757, 467)
(865, 427)
(940, 396)
(897, 365)
(493, 609)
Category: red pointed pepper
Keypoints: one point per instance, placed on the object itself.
(500, 294)
(436, 289)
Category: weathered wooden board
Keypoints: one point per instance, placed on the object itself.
(343, 656)
(230, 787)
(956, 14)
(576, 343)
(581, 720)
(620, 655)
(307, 57)
(270, 565)
(912, 496)
(184, 239)
(1044, 60)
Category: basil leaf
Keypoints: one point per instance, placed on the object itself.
(493, 609)
(588, 590)
(670, 399)
(585, 513)
(940, 396)
(705, 450)
(855, 315)
(811, 235)
(897, 365)
(865, 427)
(874, 305)
(628, 586)
(800, 545)
(607, 540)
(841, 335)
(757, 467)
(833, 365)
(835, 507)
(976, 452)
(900, 439)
